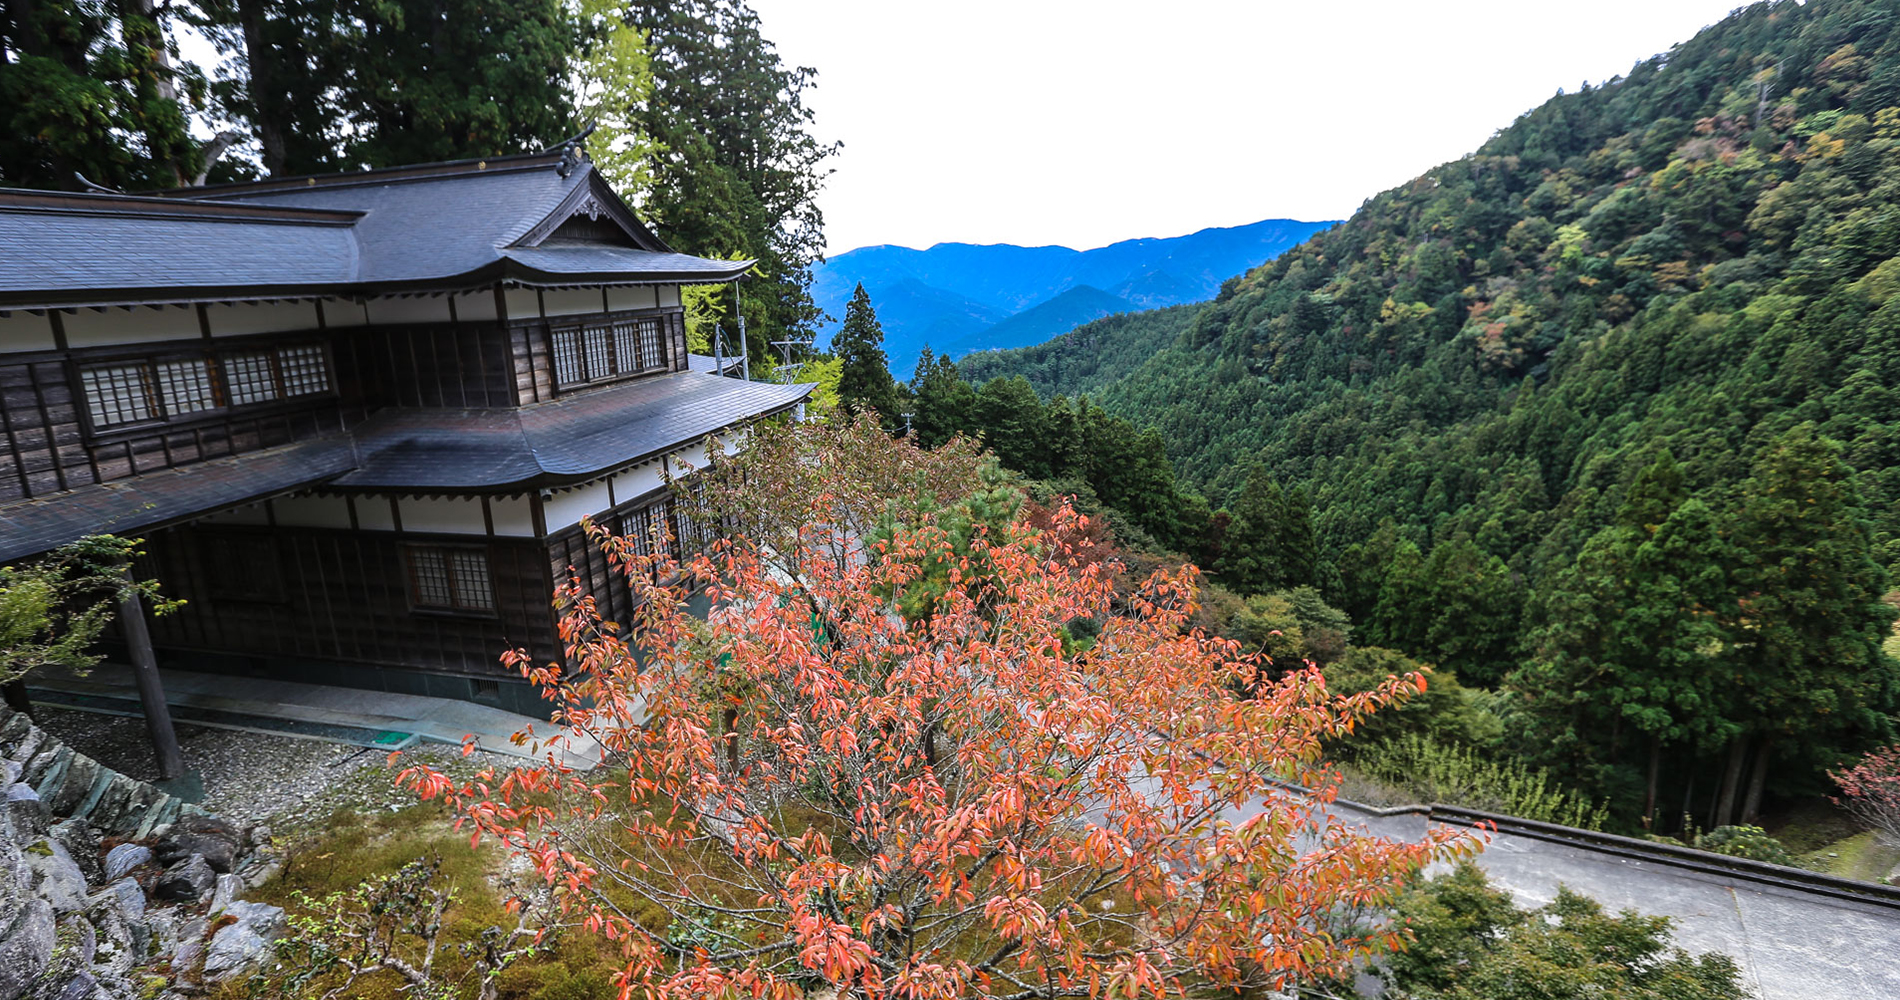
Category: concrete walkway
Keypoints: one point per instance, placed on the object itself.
(250, 703)
(1791, 945)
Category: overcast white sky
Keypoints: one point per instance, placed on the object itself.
(1049, 121)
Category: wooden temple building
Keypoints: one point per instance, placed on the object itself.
(358, 418)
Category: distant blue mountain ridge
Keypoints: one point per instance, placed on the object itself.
(960, 297)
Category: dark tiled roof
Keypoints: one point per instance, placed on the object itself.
(706, 364)
(417, 228)
(564, 441)
(568, 441)
(156, 499)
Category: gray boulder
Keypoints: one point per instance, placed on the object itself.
(56, 876)
(226, 892)
(82, 986)
(16, 881)
(80, 842)
(124, 858)
(25, 952)
(74, 945)
(187, 881)
(239, 948)
(189, 955)
(24, 809)
(198, 833)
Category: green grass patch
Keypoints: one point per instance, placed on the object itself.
(1862, 856)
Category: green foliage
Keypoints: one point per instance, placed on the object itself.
(1692, 258)
(1465, 776)
(53, 609)
(328, 85)
(738, 171)
(95, 88)
(1470, 942)
(1446, 713)
(864, 378)
(1750, 842)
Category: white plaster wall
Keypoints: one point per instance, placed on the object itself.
(513, 516)
(312, 512)
(633, 297)
(419, 309)
(86, 328)
(523, 303)
(343, 312)
(566, 508)
(669, 294)
(443, 515)
(475, 305)
(260, 317)
(572, 301)
(637, 480)
(23, 331)
(372, 514)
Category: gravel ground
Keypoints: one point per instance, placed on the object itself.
(257, 778)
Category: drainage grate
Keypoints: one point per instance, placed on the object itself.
(361, 736)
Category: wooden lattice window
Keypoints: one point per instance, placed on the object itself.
(305, 370)
(651, 355)
(249, 377)
(595, 352)
(445, 578)
(187, 386)
(119, 394)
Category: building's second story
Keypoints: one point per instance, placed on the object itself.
(497, 326)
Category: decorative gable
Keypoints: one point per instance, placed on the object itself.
(592, 213)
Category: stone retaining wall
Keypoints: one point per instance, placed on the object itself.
(75, 786)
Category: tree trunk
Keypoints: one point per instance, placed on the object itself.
(731, 721)
(266, 110)
(1649, 790)
(1688, 804)
(1731, 780)
(14, 693)
(158, 716)
(145, 47)
(1751, 806)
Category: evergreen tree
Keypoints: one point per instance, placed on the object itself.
(334, 85)
(864, 380)
(943, 403)
(1808, 620)
(1471, 621)
(740, 171)
(95, 89)
(1253, 552)
(1010, 419)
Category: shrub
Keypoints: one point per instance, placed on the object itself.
(1751, 842)
(1454, 775)
(1872, 791)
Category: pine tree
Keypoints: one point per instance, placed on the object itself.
(865, 383)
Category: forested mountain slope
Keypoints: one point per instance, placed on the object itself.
(1605, 415)
(1698, 255)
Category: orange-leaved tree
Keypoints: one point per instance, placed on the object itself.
(809, 790)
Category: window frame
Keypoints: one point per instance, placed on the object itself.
(447, 550)
(212, 354)
(612, 345)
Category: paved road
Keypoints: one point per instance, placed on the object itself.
(1791, 945)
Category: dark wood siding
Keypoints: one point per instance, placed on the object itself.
(534, 366)
(49, 447)
(433, 364)
(342, 596)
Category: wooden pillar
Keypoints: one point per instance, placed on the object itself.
(158, 716)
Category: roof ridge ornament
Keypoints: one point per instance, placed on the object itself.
(572, 149)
